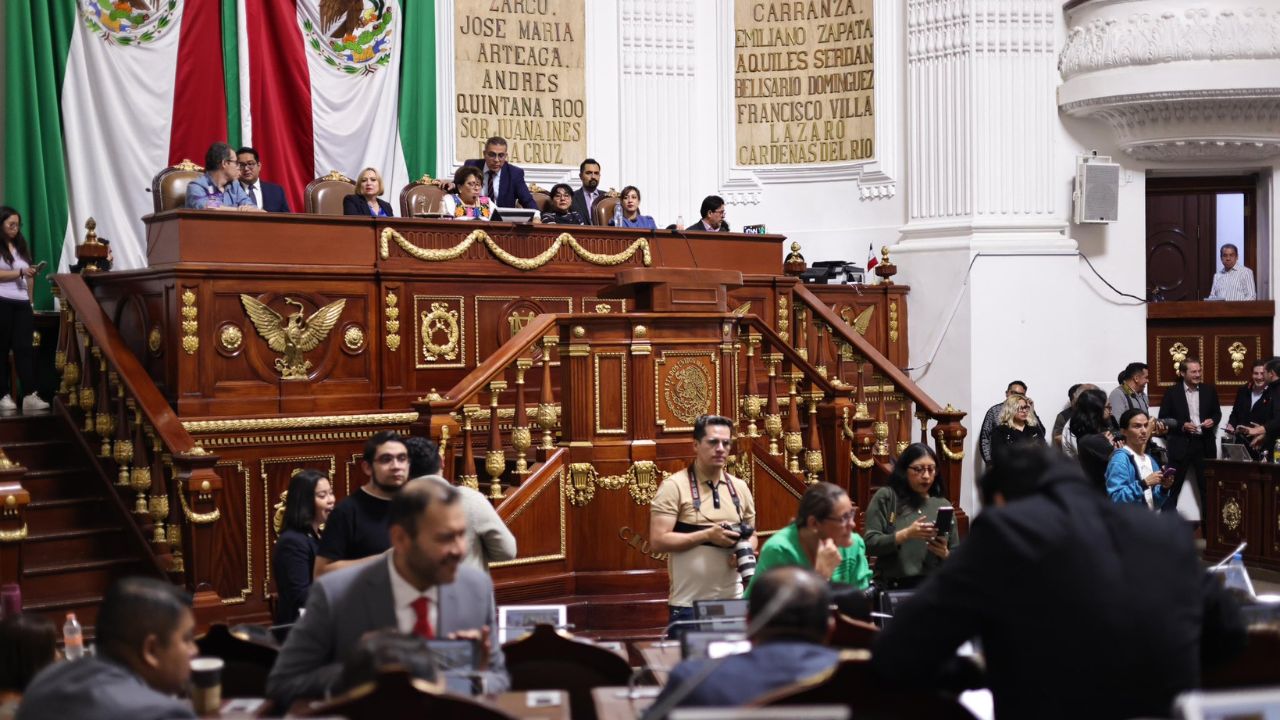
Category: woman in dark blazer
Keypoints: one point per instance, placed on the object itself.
(365, 200)
(306, 508)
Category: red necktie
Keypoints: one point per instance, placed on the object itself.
(422, 628)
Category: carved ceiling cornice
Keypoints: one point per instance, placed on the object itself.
(1162, 36)
(1177, 80)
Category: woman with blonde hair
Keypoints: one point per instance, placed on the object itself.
(1017, 426)
(365, 200)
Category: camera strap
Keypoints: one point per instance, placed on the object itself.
(696, 496)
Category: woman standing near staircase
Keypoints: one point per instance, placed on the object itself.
(17, 321)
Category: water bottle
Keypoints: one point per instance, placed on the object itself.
(72, 638)
(1235, 576)
(1275, 453)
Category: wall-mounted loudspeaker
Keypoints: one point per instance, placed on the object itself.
(1097, 192)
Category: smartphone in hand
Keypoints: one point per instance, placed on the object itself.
(946, 516)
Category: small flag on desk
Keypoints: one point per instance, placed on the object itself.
(871, 257)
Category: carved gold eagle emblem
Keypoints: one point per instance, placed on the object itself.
(295, 335)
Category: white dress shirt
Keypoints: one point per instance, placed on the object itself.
(1143, 462)
(1234, 284)
(403, 595)
(1193, 404)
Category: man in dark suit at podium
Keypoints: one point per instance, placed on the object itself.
(266, 195)
(1191, 412)
(503, 182)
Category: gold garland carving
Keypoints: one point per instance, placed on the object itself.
(297, 423)
(440, 319)
(947, 452)
(7, 536)
(195, 517)
(190, 341)
(582, 484)
(861, 464)
(641, 245)
(393, 321)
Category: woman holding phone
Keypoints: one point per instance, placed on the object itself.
(17, 321)
(901, 525)
(1133, 474)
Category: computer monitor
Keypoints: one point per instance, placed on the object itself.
(703, 643)
(722, 615)
(515, 215)
(1228, 705)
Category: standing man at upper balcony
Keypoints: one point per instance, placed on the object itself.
(1231, 282)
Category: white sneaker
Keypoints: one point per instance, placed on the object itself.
(7, 403)
(33, 402)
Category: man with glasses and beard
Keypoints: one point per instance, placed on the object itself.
(357, 530)
(695, 518)
(419, 587)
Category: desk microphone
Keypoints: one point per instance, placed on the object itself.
(678, 623)
(688, 245)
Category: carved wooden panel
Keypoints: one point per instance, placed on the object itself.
(235, 537)
(686, 385)
(276, 473)
(539, 521)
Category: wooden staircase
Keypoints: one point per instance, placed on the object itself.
(79, 536)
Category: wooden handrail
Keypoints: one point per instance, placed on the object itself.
(137, 382)
(877, 360)
(790, 354)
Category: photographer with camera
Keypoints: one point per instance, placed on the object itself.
(704, 519)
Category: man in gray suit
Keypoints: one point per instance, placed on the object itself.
(145, 635)
(420, 588)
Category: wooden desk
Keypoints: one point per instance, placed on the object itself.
(659, 656)
(612, 703)
(1242, 503)
(517, 704)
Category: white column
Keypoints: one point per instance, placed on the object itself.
(985, 247)
(657, 105)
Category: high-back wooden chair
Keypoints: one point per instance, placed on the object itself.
(853, 683)
(247, 661)
(324, 194)
(169, 186)
(420, 197)
(546, 659)
(395, 695)
(603, 209)
(541, 197)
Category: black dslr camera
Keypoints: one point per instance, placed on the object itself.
(746, 557)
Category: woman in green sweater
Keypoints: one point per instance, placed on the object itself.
(822, 538)
(900, 529)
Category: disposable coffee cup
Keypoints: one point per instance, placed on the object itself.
(206, 685)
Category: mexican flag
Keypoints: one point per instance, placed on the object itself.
(100, 95)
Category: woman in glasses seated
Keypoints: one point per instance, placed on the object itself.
(899, 527)
(627, 212)
(821, 538)
(467, 202)
(560, 211)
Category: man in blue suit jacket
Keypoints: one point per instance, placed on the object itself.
(790, 646)
(419, 586)
(268, 196)
(502, 181)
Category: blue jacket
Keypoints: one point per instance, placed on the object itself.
(743, 678)
(1123, 483)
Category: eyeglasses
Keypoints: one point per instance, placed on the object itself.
(231, 161)
(473, 184)
(846, 519)
(492, 154)
(1023, 408)
(923, 469)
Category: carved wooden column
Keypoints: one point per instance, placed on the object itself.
(576, 399)
(13, 526)
(198, 488)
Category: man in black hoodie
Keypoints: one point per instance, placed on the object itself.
(1084, 608)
